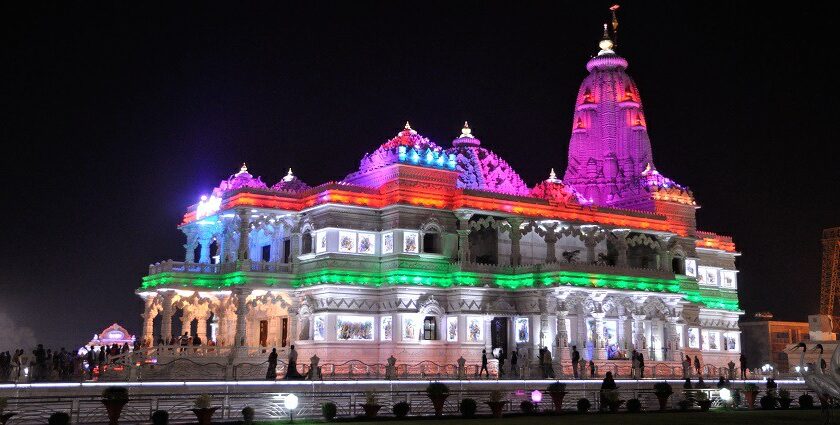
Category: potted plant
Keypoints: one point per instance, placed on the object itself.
(59, 418)
(527, 407)
(557, 391)
(634, 405)
(468, 407)
(437, 392)
(496, 403)
(583, 405)
(784, 399)
(4, 417)
(703, 401)
(612, 401)
(160, 417)
(401, 409)
(806, 401)
(203, 409)
(114, 398)
(750, 391)
(248, 415)
(685, 404)
(663, 391)
(328, 410)
(370, 406)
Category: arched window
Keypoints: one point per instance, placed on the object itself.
(431, 243)
(677, 265)
(306, 243)
(215, 255)
(429, 328)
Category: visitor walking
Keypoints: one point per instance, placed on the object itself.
(483, 364)
(641, 366)
(591, 369)
(548, 369)
(502, 356)
(697, 366)
(743, 361)
(575, 360)
(291, 369)
(513, 364)
(686, 366)
(271, 373)
(634, 365)
(607, 385)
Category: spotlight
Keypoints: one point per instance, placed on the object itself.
(291, 403)
(536, 396)
(725, 394)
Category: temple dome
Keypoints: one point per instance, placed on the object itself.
(290, 183)
(242, 179)
(553, 189)
(609, 148)
(407, 147)
(480, 168)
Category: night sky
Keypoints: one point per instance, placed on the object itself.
(117, 118)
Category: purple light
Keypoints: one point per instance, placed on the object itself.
(536, 396)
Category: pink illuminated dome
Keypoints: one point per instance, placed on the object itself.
(290, 183)
(481, 169)
(242, 179)
(554, 190)
(609, 149)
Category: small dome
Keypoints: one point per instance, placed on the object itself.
(481, 169)
(242, 179)
(290, 183)
(553, 189)
(407, 147)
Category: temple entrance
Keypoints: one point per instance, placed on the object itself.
(499, 335)
(263, 333)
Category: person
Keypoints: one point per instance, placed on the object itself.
(721, 383)
(271, 373)
(291, 370)
(483, 364)
(575, 360)
(700, 383)
(548, 369)
(502, 356)
(641, 366)
(697, 366)
(591, 369)
(634, 365)
(608, 384)
(822, 365)
(687, 385)
(513, 367)
(743, 360)
(686, 366)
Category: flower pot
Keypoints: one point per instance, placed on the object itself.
(750, 396)
(557, 399)
(663, 401)
(496, 408)
(114, 409)
(704, 405)
(371, 410)
(5, 417)
(204, 415)
(437, 402)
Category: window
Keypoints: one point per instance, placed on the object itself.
(429, 328)
(287, 249)
(266, 253)
(431, 243)
(306, 243)
(781, 336)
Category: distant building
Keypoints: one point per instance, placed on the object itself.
(114, 334)
(765, 341)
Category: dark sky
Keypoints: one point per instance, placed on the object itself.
(119, 117)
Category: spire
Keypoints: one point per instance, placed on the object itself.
(552, 176)
(407, 126)
(407, 130)
(466, 138)
(289, 176)
(243, 169)
(466, 131)
(606, 43)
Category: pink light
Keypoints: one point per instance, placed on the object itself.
(536, 396)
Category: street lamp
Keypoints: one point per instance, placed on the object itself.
(725, 394)
(291, 403)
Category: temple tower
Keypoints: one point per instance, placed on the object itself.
(830, 283)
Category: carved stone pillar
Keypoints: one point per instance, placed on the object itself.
(622, 331)
(149, 314)
(186, 323)
(620, 242)
(664, 259)
(534, 322)
(192, 242)
(205, 241)
(515, 237)
(590, 243)
(599, 353)
(201, 327)
(166, 316)
(241, 311)
(673, 341)
(639, 334)
(562, 340)
(464, 235)
(550, 244)
(488, 343)
(244, 232)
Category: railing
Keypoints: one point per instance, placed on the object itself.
(561, 266)
(220, 268)
(84, 406)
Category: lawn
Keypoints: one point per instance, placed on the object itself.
(778, 417)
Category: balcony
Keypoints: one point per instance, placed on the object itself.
(562, 266)
(170, 266)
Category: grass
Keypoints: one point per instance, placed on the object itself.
(716, 417)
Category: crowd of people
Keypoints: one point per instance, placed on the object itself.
(44, 364)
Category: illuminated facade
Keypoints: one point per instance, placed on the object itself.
(434, 253)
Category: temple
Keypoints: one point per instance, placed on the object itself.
(432, 253)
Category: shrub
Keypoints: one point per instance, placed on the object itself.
(556, 387)
(203, 401)
(328, 410)
(750, 387)
(401, 409)
(784, 394)
(468, 407)
(583, 405)
(437, 389)
(685, 404)
(527, 407)
(634, 405)
(496, 396)
(59, 418)
(248, 414)
(160, 417)
(806, 401)
(767, 402)
(370, 397)
(662, 389)
(115, 393)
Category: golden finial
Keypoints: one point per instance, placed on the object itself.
(466, 131)
(606, 44)
(289, 176)
(407, 126)
(243, 169)
(552, 175)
